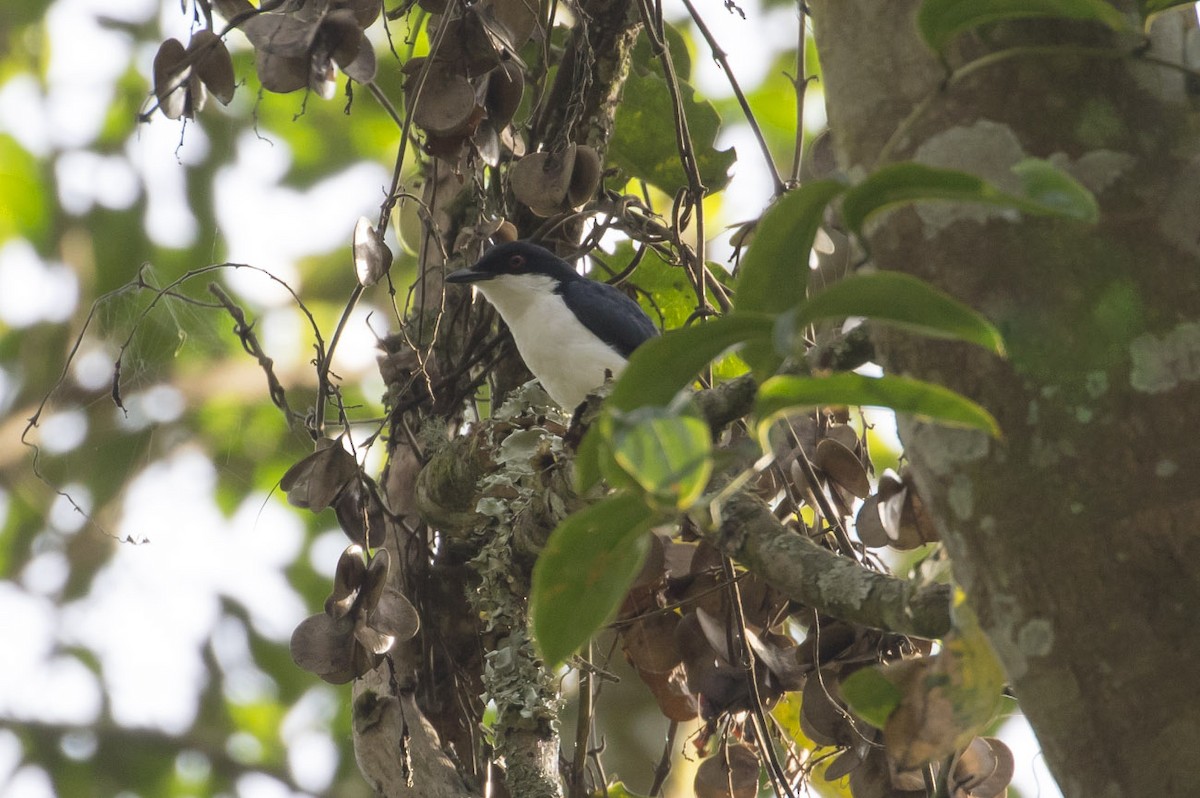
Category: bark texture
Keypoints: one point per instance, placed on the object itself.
(1075, 536)
(418, 718)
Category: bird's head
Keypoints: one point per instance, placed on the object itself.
(516, 265)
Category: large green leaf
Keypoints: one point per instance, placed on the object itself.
(773, 274)
(902, 300)
(587, 460)
(939, 21)
(643, 143)
(902, 394)
(584, 572)
(1060, 195)
(645, 61)
(1055, 190)
(1154, 6)
(667, 454)
(662, 367)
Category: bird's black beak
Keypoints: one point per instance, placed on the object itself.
(467, 276)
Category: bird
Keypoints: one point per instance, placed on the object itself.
(570, 331)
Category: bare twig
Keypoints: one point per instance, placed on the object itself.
(800, 83)
(245, 332)
(719, 55)
(663, 769)
(742, 648)
(687, 154)
(583, 727)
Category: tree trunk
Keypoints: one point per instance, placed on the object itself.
(1075, 536)
(418, 718)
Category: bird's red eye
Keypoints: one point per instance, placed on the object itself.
(516, 262)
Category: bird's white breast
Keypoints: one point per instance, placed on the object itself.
(565, 356)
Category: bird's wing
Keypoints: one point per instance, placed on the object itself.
(613, 317)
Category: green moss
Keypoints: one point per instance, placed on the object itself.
(1099, 124)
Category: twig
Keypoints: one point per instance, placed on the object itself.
(245, 333)
(800, 83)
(774, 769)
(324, 386)
(720, 56)
(663, 769)
(683, 141)
(583, 726)
(831, 516)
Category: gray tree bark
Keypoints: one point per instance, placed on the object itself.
(1075, 536)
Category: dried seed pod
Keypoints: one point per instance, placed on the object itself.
(585, 176)
(540, 180)
(509, 23)
(341, 36)
(649, 642)
(512, 140)
(842, 466)
(317, 480)
(213, 65)
(372, 258)
(505, 86)
(730, 773)
(870, 526)
(671, 693)
(446, 102)
(486, 142)
(467, 47)
(171, 78)
(505, 233)
(982, 770)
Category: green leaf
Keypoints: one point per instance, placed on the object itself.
(617, 790)
(773, 274)
(902, 394)
(662, 367)
(23, 203)
(1052, 188)
(584, 572)
(904, 301)
(667, 454)
(939, 21)
(1154, 6)
(909, 182)
(871, 695)
(913, 182)
(645, 61)
(587, 460)
(643, 143)
(665, 292)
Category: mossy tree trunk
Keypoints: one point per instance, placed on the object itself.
(1075, 536)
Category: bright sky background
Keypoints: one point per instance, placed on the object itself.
(153, 605)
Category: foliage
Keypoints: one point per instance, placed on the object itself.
(491, 110)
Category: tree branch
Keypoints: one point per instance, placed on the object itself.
(831, 583)
(748, 532)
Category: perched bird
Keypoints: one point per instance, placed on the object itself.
(569, 330)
